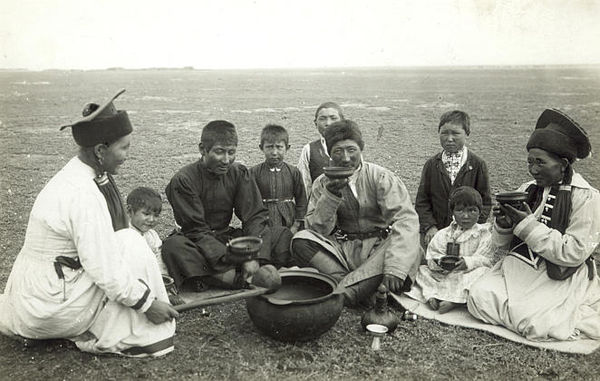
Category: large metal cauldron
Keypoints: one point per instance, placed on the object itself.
(307, 305)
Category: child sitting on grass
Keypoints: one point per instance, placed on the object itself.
(280, 184)
(144, 206)
(455, 166)
(472, 242)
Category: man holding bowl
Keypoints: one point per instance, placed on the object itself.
(363, 229)
(204, 195)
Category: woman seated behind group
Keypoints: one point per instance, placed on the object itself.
(547, 287)
(82, 274)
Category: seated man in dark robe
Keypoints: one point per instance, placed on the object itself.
(204, 195)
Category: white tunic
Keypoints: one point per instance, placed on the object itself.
(93, 305)
(475, 248)
(525, 299)
(155, 243)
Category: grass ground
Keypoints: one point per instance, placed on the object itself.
(225, 345)
(398, 117)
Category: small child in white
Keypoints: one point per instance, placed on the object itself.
(444, 289)
(144, 206)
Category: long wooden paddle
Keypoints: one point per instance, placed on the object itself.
(254, 291)
(265, 280)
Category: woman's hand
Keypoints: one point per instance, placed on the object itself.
(502, 219)
(515, 215)
(161, 312)
(392, 283)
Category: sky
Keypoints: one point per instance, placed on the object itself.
(230, 34)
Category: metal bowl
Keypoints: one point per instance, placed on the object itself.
(449, 262)
(514, 199)
(338, 172)
(246, 246)
(306, 306)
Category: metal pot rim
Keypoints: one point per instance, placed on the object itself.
(308, 274)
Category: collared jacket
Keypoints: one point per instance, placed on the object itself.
(435, 188)
(382, 201)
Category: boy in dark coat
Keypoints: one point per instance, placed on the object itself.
(280, 183)
(455, 166)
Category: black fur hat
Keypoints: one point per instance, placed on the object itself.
(342, 130)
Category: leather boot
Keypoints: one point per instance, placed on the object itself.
(326, 264)
(359, 294)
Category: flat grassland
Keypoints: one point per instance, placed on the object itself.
(398, 111)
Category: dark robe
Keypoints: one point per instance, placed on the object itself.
(203, 206)
(283, 193)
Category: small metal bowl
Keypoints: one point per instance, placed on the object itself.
(246, 246)
(514, 199)
(449, 262)
(338, 172)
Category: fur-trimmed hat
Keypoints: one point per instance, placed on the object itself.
(556, 132)
(100, 124)
(342, 130)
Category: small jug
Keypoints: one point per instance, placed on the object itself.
(381, 313)
(453, 249)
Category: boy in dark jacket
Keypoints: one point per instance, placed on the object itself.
(455, 166)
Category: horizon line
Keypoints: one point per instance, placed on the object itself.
(192, 68)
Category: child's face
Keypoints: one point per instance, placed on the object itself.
(143, 219)
(325, 117)
(452, 137)
(466, 216)
(274, 152)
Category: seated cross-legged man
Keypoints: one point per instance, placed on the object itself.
(362, 230)
(204, 195)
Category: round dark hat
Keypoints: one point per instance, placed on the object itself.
(558, 133)
(100, 124)
(342, 130)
